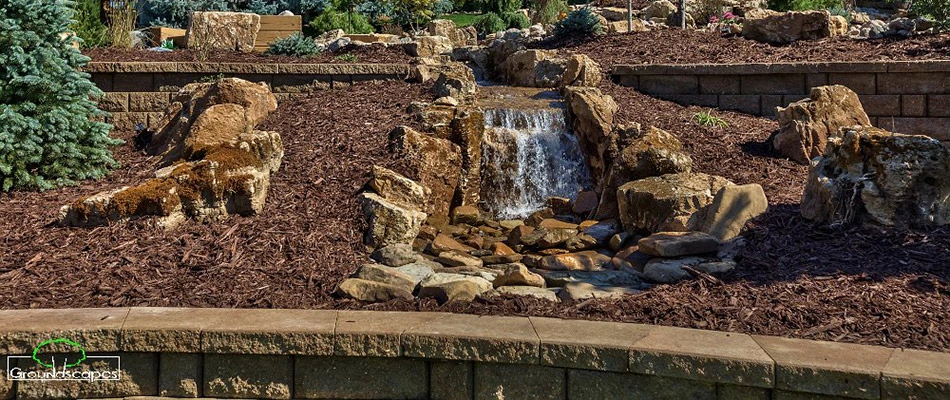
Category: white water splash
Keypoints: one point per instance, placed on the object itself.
(527, 157)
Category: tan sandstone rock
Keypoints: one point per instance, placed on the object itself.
(398, 189)
(678, 244)
(582, 71)
(429, 46)
(389, 223)
(668, 203)
(216, 30)
(783, 28)
(214, 163)
(732, 207)
(635, 153)
(806, 125)
(592, 116)
(437, 163)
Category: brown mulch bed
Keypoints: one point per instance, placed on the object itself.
(291, 256)
(674, 46)
(375, 54)
(862, 285)
(637, 4)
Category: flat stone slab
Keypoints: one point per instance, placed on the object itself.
(375, 333)
(244, 331)
(587, 344)
(96, 329)
(476, 338)
(841, 369)
(916, 374)
(160, 329)
(722, 357)
(241, 331)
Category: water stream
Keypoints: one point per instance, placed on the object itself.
(529, 153)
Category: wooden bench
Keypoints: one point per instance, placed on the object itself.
(275, 27)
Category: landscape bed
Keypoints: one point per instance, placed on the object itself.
(796, 279)
(668, 46)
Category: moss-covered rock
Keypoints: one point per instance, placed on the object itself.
(214, 163)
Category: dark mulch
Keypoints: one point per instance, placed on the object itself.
(291, 256)
(637, 4)
(862, 285)
(364, 54)
(674, 46)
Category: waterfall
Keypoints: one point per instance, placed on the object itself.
(529, 155)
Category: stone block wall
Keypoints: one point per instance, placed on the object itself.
(907, 97)
(138, 92)
(317, 354)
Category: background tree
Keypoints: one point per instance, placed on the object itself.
(49, 135)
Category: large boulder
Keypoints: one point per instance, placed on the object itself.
(806, 125)
(534, 68)
(783, 28)
(389, 223)
(581, 71)
(592, 116)
(658, 9)
(429, 46)
(215, 30)
(447, 28)
(502, 48)
(185, 129)
(436, 162)
(633, 154)
(668, 203)
(454, 79)
(871, 175)
(213, 162)
(397, 188)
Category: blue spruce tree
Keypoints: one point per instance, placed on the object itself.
(49, 130)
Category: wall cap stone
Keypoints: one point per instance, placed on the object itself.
(798, 365)
(783, 68)
(247, 68)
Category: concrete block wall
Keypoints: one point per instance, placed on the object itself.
(321, 354)
(139, 92)
(907, 97)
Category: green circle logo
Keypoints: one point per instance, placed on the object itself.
(36, 352)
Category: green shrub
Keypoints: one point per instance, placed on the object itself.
(349, 22)
(841, 12)
(88, 25)
(547, 11)
(490, 23)
(296, 45)
(49, 136)
(516, 20)
(938, 10)
(502, 7)
(579, 23)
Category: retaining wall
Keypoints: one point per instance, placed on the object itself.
(907, 97)
(228, 353)
(139, 92)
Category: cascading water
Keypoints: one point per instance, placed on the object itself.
(529, 155)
